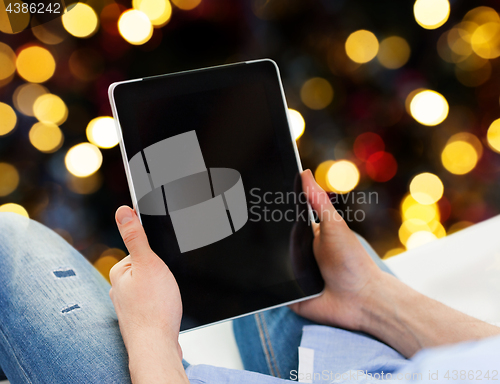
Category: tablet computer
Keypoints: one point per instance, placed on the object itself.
(214, 175)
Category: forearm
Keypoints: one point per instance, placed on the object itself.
(409, 321)
(153, 360)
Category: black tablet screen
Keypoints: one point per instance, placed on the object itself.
(218, 188)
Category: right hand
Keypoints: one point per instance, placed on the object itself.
(350, 274)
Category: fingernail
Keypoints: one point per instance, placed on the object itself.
(124, 215)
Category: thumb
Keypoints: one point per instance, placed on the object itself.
(132, 234)
(319, 199)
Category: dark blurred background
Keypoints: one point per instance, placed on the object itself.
(396, 97)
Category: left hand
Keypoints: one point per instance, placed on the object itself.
(145, 295)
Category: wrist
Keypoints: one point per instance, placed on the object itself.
(154, 358)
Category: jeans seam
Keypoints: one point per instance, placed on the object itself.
(263, 344)
(16, 359)
(268, 338)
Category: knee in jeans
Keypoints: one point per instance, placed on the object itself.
(12, 224)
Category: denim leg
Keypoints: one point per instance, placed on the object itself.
(57, 322)
(268, 341)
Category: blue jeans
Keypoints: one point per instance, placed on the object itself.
(58, 324)
(268, 341)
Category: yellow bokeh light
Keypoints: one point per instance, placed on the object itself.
(431, 14)
(15, 208)
(8, 119)
(46, 137)
(426, 188)
(7, 61)
(25, 96)
(393, 252)
(485, 41)
(342, 176)
(420, 238)
(50, 34)
(297, 123)
(83, 159)
(468, 138)
(361, 46)
(9, 179)
(316, 93)
(50, 108)
(320, 174)
(394, 52)
(458, 41)
(411, 226)
(459, 157)
(135, 27)
(35, 64)
(158, 11)
(493, 136)
(13, 22)
(459, 226)
(429, 108)
(101, 131)
(482, 15)
(84, 185)
(412, 209)
(186, 5)
(105, 263)
(80, 20)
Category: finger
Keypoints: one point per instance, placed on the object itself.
(133, 234)
(319, 199)
(119, 269)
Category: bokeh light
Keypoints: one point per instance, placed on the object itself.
(342, 176)
(381, 166)
(420, 238)
(50, 108)
(458, 226)
(367, 144)
(493, 136)
(321, 172)
(80, 20)
(8, 119)
(394, 52)
(51, 33)
(83, 159)
(158, 11)
(393, 252)
(186, 5)
(135, 27)
(426, 188)
(429, 107)
(15, 208)
(85, 185)
(361, 46)
(316, 93)
(101, 131)
(46, 137)
(468, 138)
(431, 14)
(104, 264)
(25, 96)
(411, 226)
(459, 157)
(9, 179)
(7, 61)
(412, 209)
(35, 64)
(13, 22)
(485, 40)
(297, 123)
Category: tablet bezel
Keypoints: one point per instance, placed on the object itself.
(125, 158)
